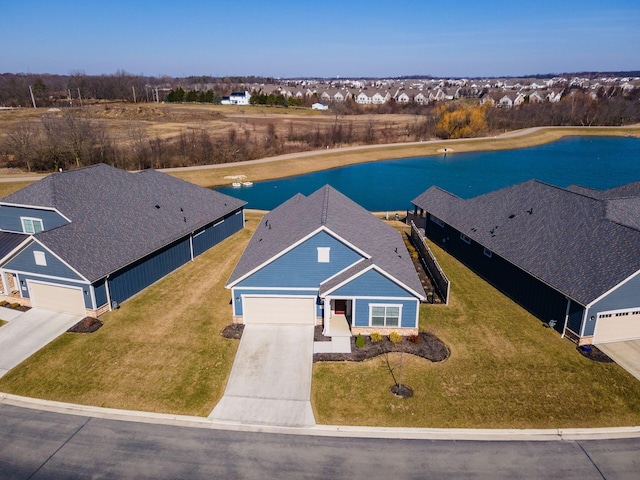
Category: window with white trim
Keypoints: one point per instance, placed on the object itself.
(465, 239)
(487, 252)
(384, 315)
(324, 254)
(31, 225)
(40, 258)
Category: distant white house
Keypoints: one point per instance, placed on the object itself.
(237, 98)
(319, 106)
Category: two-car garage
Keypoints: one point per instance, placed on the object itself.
(617, 326)
(277, 310)
(57, 297)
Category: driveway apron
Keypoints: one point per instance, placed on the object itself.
(626, 354)
(29, 332)
(270, 381)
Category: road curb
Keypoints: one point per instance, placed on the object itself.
(453, 434)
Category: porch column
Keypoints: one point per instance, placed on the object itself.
(326, 330)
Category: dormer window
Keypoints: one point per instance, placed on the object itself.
(31, 225)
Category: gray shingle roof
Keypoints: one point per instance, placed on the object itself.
(115, 219)
(582, 242)
(9, 241)
(299, 216)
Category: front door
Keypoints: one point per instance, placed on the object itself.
(340, 307)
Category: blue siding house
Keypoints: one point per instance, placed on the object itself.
(324, 260)
(85, 240)
(570, 256)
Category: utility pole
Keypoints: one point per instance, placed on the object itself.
(33, 99)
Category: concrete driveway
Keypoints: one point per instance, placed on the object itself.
(626, 354)
(28, 332)
(270, 381)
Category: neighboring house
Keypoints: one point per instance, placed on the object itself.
(403, 98)
(505, 102)
(363, 99)
(380, 97)
(237, 98)
(570, 256)
(84, 240)
(325, 260)
(421, 98)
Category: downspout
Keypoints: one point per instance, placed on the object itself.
(566, 317)
(191, 245)
(106, 287)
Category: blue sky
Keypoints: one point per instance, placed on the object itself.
(319, 38)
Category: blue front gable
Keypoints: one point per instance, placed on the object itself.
(371, 284)
(11, 215)
(300, 266)
(25, 261)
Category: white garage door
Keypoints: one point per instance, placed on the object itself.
(54, 297)
(261, 310)
(617, 326)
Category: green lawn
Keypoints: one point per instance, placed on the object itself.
(505, 371)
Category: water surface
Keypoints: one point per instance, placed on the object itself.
(596, 162)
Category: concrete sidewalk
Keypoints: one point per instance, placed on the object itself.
(29, 332)
(270, 382)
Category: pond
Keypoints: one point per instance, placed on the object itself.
(596, 162)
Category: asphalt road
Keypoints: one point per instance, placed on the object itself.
(36, 444)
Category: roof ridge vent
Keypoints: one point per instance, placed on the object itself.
(325, 206)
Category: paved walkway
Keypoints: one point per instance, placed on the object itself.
(28, 332)
(270, 382)
(626, 354)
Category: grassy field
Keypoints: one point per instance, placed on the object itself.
(505, 371)
(162, 351)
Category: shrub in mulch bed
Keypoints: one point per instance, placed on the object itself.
(86, 325)
(233, 331)
(14, 306)
(593, 353)
(428, 346)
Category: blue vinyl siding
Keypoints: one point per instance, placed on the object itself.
(129, 281)
(10, 218)
(300, 268)
(23, 277)
(237, 293)
(215, 232)
(409, 310)
(576, 312)
(371, 284)
(100, 293)
(625, 296)
(25, 262)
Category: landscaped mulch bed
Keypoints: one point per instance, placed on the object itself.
(593, 353)
(426, 346)
(233, 331)
(86, 325)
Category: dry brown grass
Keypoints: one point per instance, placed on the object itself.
(161, 351)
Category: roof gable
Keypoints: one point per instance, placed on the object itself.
(118, 217)
(579, 244)
(327, 209)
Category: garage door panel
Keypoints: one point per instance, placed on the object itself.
(55, 297)
(292, 310)
(617, 326)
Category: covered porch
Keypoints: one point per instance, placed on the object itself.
(336, 326)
